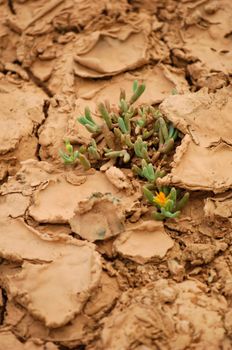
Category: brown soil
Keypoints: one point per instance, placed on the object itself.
(82, 264)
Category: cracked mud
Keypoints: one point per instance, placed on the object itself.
(82, 265)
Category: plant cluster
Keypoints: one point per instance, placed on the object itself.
(135, 137)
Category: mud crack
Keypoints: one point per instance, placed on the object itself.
(36, 131)
(39, 82)
(3, 308)
(11, 6)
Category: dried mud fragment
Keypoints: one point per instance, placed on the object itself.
(27, 327)
(167, 315)
(105, 53)
(53, 260)
(38, 287)
(56, 203)
(98, 218)
(144, 242)
(206, 117)
(200, 168)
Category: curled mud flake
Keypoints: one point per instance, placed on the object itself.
(57, 202)
(38, 287)
(98, 218)
(199, 168)
(19, 242)
(117, 178)
(106, 56)
(206, 117)
(144, 242)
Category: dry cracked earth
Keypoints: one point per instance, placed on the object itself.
(145, 285)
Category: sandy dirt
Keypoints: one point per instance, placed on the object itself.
(83, 266)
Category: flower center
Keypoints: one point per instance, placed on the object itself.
(160, 199)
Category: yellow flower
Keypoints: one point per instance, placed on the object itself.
(160, 199)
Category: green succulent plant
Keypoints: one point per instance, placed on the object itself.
(166, 203)
(140, 138)
(72, 156)
(140, 148)
(148, 171)
(167, 135)
(105, 115)
(138, 90)
(93, 151)
(88, 122)
(118, 154)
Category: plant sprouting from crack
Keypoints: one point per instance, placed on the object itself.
(133, 136)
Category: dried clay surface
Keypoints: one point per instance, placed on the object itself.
(206, 148)
(82, 264)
